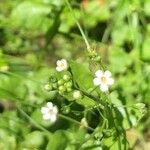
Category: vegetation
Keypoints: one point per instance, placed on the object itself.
(74, 75)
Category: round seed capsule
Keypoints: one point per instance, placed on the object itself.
(62, 88)
(66, 77)
(48, 87)
(60, 82)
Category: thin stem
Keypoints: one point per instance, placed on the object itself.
(32, 121)
(79, 26)
(19, 76)
(73, 120)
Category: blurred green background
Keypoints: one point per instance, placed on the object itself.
(35, 34)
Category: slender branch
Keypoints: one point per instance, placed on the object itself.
(78, 24)
(73, 120)
(33, 122)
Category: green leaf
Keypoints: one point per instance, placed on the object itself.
(114, 143)
(58, 141)
(30, 15)
(86, 102)
(130, 116)
(34, 139)
(119, 60)
(81, 75)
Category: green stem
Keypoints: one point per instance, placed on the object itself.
(19, 76)
(32, 121)
(74, 121)
(79, 26)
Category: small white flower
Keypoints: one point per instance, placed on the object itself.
(61, 65)
(103, 79)
(49, 112)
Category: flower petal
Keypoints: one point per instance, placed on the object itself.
(46, 116)
(58, 68)
(58, 63)
(53, 118)
(44, 110)
(97, 81)
(64, 61)
(55, 110)
(110, 81)
(104, 87)
(99, 73)
(49, 105)
(107, 74)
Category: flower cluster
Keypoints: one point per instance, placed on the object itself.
(103, 79)
(65, 84)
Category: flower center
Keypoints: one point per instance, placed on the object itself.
(62, 65)
(50, 111)
(103, 80)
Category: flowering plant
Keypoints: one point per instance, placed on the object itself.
(89, 100)
(85, 99)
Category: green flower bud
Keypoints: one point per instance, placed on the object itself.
(97, 58)
(69, 89)
(52, 79)
(68, 84)
(66, 77)
(65, 109)
(48, 87)
(62, 88)
(77, 94)
(61, 93)
(60, 82)
(54, 85)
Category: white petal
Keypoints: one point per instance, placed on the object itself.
(64, 61)
(104, 87)
(46, 116)
(49, 105)
(55, 109)
(53, 118)
(44, 110)
(97, 81)
(99, 73)
(58, 63)
(58, 68)
(110, 81)
(107, 74)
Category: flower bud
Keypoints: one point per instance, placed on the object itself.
(66, 77)
(65, 109)
(61, 82)
(84, 123)
(68, 84)
(77, 94)
(69, 89)
(62, 89)
(52, 79)
(54, 85)
(48, 87)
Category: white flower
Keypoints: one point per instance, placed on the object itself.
(61, 65)
(49, 112)
(103, 79)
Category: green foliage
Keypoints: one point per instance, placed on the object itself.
(35, 34)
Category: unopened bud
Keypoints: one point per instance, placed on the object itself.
(66, 77)
(61, 82)
(77, 94)
(48, 87)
